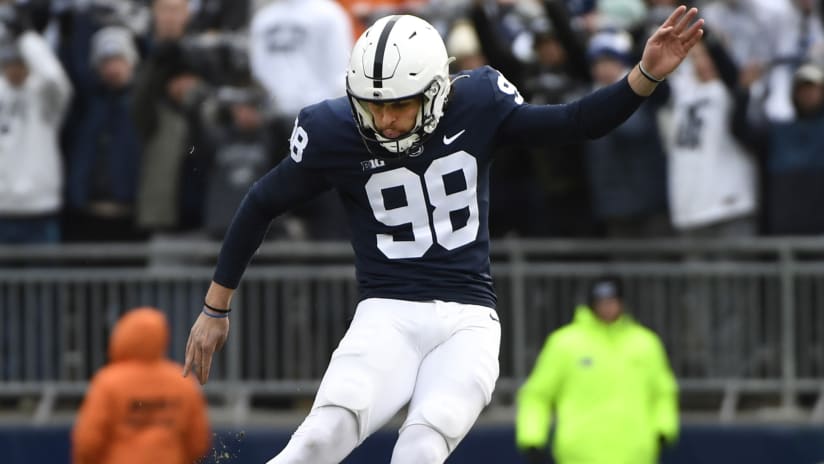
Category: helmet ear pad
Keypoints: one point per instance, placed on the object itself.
(435, 98)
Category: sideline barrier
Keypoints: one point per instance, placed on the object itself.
(738, 317)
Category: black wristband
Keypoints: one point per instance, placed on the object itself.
(217, 310)
(649, 76)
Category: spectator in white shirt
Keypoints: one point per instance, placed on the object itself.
(34, 94)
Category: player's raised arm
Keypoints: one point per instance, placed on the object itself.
(666, 49)
(605, 109)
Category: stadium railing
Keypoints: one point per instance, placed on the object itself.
(738, 317)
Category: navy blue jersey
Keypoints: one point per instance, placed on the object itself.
(420, 224)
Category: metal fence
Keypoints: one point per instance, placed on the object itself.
(737, 317)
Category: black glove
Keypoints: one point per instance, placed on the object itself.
(536, 456)
(663, 444)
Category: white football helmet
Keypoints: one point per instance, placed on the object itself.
(399, 57)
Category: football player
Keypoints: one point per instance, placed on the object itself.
(408, 150)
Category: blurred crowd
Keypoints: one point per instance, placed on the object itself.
(128, 120)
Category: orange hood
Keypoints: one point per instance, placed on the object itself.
(141, 334)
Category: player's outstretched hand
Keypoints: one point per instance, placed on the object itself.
(669, 45)
(208, 335)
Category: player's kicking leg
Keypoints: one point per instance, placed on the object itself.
(370, 377)
(327, 435)
(455, 382)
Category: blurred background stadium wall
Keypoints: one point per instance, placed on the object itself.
(119, 178)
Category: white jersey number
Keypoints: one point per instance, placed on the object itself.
(416, 211)
(298, 142)
(509, 88)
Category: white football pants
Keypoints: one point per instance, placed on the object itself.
(440, 358)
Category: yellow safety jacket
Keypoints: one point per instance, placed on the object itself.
(609, 389)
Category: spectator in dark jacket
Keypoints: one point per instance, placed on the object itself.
(792, 158)
(168, 91)
(627, 167)
(245, 149)
(104, 148)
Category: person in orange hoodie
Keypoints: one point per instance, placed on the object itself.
(139, 409)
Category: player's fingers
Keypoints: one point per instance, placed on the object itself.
(187, 358)
(661, 34)
(673, 18)
(206, 356)
(685, 20)
(694, 40)
(197, 362)
(693, 30)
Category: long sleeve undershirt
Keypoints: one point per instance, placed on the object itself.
(588, 118)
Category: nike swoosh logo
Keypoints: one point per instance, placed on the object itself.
(449, 140)
(493, 318)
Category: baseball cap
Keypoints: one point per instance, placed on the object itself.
(809, 73)
(610, 43)
(605, 287)
(113, 41)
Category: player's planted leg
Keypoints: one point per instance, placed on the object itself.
(326, 436)
(454, 384)
(420, 444)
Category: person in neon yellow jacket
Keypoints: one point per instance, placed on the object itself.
(605, 382)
